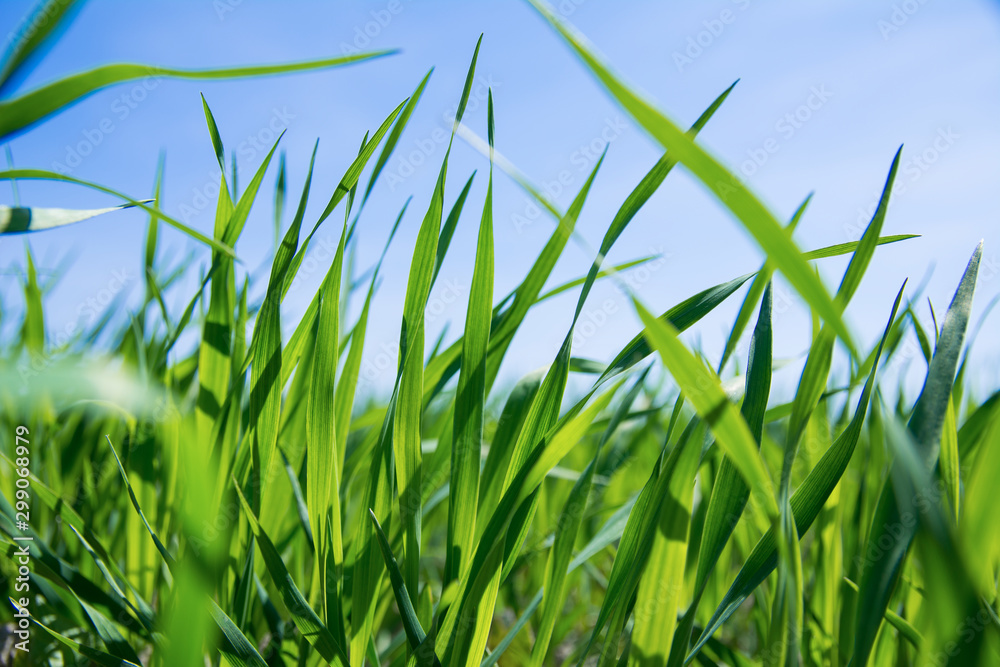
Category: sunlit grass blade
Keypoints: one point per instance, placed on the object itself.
(471, 396)
(30, 42)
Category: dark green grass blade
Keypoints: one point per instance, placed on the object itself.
(881, 573)
(423, 650)
(303, 616)
(806, 502)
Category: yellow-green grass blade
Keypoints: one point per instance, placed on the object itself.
(463, 632)
(661, 586)
(807, 501)
(22, 112)
(752, 214)
(702, 389)
(236, 647)
(19, 219)
(881, 572)
(636, 541)
(305, 619)
(471, 397)
(44, 175)
(35, 32)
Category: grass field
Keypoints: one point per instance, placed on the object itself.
(239, 501)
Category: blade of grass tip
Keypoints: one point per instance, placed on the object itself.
(32, 38)
(394, 135)
(470, 399)
(729, 492)
(18, 220)
(24, 111)
(213, 131)
(44, 175)
(727, 187)
(681, 317)
(423, 650)
(880, 574)
(807, 501)
(303, 616)
(346, 184)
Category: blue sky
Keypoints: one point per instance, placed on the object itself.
(828, 91)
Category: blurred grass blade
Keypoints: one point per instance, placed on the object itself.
(26, 47)
(22, 112)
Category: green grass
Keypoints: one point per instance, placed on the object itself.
(238, 502)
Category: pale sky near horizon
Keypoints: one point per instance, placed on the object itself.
(828, 91)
